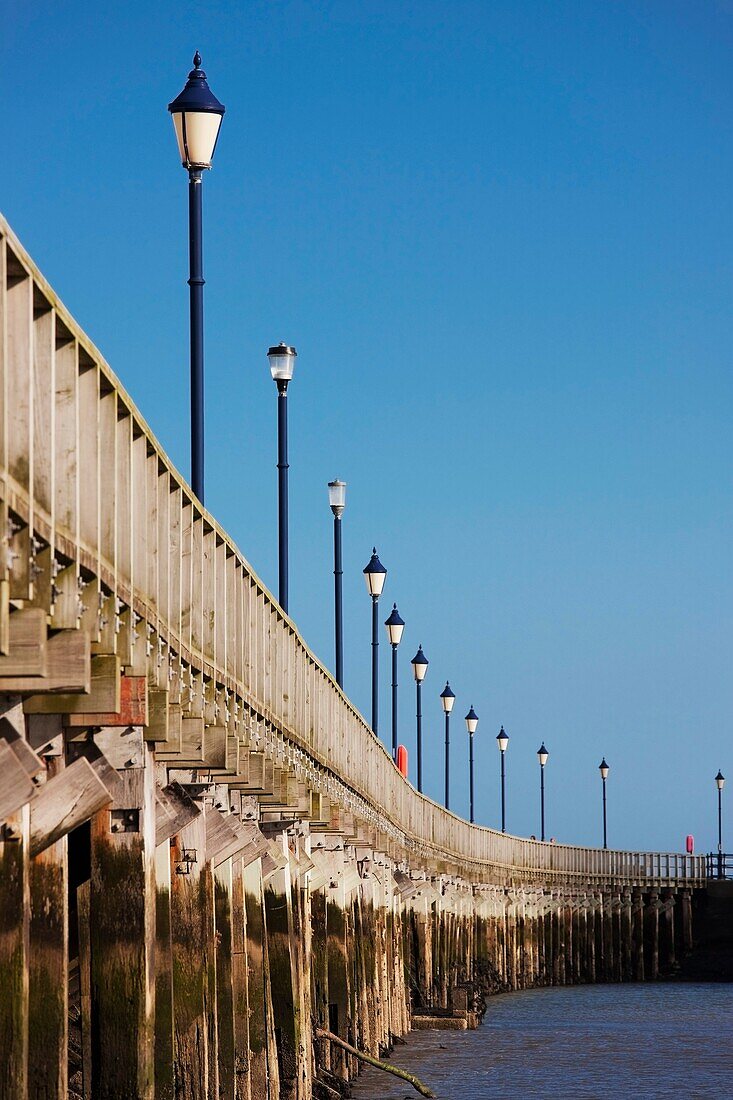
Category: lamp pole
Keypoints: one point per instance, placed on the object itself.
(375, 575)
(502, 741)
(720, 783)
(604, 770)
(197, 115)
(447, 698)
(471, 726)
(419, 668)
(337, 500)
(282, 364)
(542, 755)
(395, 625)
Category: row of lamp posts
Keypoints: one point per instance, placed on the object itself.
(197, 115)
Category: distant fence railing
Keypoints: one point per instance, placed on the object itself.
(92, 505)
(719, 865)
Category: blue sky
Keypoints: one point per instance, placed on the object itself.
(500, 236)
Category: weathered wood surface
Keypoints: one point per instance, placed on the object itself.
(65, 801)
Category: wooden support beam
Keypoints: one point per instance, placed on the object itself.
(122, 940)
(14, 947)
(174, 810)
(68, 669)
(157, 726)
(16, 788)
(64, 802)
(48, 969)
(102, 695)
(133, 710)
(219, 833)
(26, 654)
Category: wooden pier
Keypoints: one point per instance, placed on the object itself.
(205, 853)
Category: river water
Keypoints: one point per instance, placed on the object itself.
(591, 1042)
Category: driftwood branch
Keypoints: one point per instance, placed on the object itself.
(416, 1084)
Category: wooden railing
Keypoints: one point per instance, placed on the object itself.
(104, 533)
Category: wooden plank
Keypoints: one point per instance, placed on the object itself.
(123, 747)
(219, 833)
(29, 760)
(64, 802)
(133, 709)
(67, 666)
(16, 787)
(98, 761)
(157, 727)
(103, 693)
(26, 654)
(174, 810)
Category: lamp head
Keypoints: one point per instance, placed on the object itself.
(542, 754)
(337, 496)
(419, 665)
(197, 115)
(447, 698)
(395, 625)
(720, 780)
(471, 720)
(502, 740)
(282, 363)
(604, 768)
(375, 575)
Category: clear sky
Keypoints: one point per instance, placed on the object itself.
(500, 236)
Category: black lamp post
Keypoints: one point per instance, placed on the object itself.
(471, 726)
(375, 575)
(197, 115)
(604, 770)
(282, 364)
(720, 783)
(337, 500)
(419, 669)
(447, 698)
(542, 755)
(395, 625)
(502, 741)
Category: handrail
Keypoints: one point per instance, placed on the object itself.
(80, 466)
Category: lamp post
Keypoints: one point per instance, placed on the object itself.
(282, 364)
(395, 625)
(471, 726)
(720, 783)
(542, 755)
(419, 669)
(197, 115)
(337, 500)
(447, 698)
(502, 741)
(604, 770)
(375, 575)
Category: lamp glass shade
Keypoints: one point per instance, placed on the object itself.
(282, 362)
(447, 698)
(471, 721)
(542, 754)
(419, 666)
(604, 768)
(395, 625)
(337, 496)
(720, 780)
(502, 740)
(196, 134)
(197, 115)
(375, 575)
